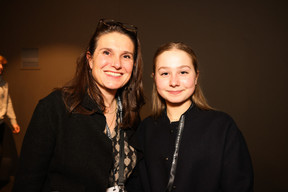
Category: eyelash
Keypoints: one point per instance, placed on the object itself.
(184, 72)
(127, 56)
(166, 73)
(106, 52)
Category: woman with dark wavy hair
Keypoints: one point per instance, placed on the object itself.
(81, 137)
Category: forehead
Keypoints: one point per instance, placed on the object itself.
(115, 39)
(173, 58)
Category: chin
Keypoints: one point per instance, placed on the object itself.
(114, 87)
(175, 102)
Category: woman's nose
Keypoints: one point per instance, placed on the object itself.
(174, 80)
(116, 62)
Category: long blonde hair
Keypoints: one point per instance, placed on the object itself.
(158, 103)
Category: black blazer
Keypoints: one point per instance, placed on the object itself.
(213, 155)
(65, 152)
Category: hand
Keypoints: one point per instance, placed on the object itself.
(16, 128)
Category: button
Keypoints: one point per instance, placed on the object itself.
(171, 131)
(174, 187)
(166, 158)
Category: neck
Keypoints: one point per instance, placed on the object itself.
(108, 97)
(110, 103)
(174, 112)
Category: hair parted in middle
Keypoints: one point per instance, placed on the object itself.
(131, 94)
(158, 103)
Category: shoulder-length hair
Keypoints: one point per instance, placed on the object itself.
(131, 93)
(158, 103)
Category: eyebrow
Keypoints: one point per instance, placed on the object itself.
(128, 52)
(180, 67)
(109, 49)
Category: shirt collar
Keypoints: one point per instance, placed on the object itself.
(89, 104)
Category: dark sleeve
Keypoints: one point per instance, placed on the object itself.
(37, 150)
(134, 184)
(237, 172)
(139, 180)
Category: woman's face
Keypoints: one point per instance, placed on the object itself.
(175, 77)
(1, 68)
(112, 61)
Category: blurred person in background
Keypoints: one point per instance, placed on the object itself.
(8, 153)
(6, 107)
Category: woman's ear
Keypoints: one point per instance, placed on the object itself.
(197, 76)
(89, 59)
(152, 75)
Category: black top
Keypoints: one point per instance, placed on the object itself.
(65, 152)
(213, 155)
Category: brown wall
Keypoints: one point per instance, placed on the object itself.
(242, 48)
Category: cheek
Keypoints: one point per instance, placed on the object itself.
(100, 62)
(128, 67)
(160, 83)
(189, 83)
(159, 87)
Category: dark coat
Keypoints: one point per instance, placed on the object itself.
(63, 151)
(213, 156)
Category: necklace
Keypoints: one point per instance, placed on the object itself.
(112, 111)
(114, 115)
(118, 114)
(108, 127)
(113, 118)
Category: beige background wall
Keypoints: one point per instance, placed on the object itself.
(241, 45)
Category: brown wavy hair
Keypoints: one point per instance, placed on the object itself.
(158, 103)
(131, 93)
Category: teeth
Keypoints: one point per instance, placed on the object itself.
(114, 74)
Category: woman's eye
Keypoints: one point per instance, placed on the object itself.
(164, 74)
(127, 56)
(106, 52)
(183, 72)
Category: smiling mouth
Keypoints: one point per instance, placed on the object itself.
(113, 74)
(174, 92)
